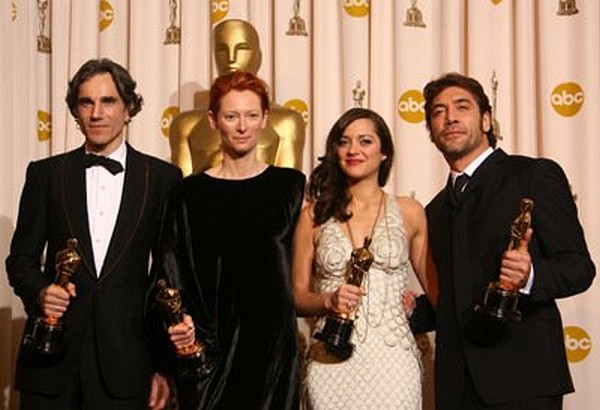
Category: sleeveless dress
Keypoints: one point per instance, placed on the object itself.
(384, 371)
(226, 245)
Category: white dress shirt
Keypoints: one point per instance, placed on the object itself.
(103, 193)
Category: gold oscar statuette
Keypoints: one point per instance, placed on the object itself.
(338, 328)
(501, 299)
(414, 16)
(196, 360)
(296, 25)
(43, 41)
(46, 333)
(173, 33)
(567, 8)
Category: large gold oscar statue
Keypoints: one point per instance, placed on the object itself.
(195, 146)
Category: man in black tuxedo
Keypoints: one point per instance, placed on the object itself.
(112, 207)
(482, 363)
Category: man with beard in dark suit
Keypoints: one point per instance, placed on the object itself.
(480, 362)
(109, 197)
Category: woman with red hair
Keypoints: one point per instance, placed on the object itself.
(226, 246)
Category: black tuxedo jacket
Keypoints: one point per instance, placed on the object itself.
(468, 237)
(111, 305)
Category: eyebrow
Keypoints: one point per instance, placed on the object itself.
(458, 100)
(105, 99)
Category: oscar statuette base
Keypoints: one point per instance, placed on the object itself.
(198, 362)
(336, 335)
(44, 338)
(501, 303)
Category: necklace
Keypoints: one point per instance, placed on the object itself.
(369, 237)
(367, 242)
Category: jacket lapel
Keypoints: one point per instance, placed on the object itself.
(73, 198)
(464, 281)
(133, 202)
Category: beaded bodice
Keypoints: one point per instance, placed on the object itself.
(381, 307)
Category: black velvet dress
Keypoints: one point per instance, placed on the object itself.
(226, 244)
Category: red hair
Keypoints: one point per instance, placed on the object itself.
(238, 81)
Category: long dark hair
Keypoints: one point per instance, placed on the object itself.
(328, 185)
(120, 76)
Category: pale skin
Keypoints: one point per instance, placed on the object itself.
(458, 130)
(239, 122)
(195, 147)
(360, 156)
(102, 117)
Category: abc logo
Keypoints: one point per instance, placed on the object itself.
(299, 106)
(411, 106)
(220, 8)
(567, 99)
(167, 118)
(44, 126)
(107, 14)
(356, 8)
(577, 343)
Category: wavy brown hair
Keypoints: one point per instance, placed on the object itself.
(120, 76)
(328, 185)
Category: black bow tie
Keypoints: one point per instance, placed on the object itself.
(113, 166)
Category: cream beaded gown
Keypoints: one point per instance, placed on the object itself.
(384, 371)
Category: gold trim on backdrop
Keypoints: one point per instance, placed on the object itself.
(43, 41)
(296, 25)
(567, 7)
(414, 16)
(173, 34)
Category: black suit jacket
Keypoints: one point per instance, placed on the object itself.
(513, 361)
(111, 305)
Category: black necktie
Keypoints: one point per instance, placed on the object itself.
(459, 184)
(113, 166)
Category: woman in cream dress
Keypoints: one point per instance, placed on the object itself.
(347, 209)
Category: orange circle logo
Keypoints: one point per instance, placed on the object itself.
(577, 343)
(220, 9)
(299, 106)
(411, 106)
(496, 2)
(356, 8)
(107, 14)
(44, 126)
(567, 99)
(167, 118)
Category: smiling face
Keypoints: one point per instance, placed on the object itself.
(359, 151)
(101, 114)
(457, 127)
(239, 121)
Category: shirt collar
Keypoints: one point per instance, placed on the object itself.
(472, 167)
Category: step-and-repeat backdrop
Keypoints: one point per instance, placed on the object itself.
(538, 61)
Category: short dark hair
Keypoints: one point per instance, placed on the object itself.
(120, 76)
(435, 87)
(328, 186)
(238, 81)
